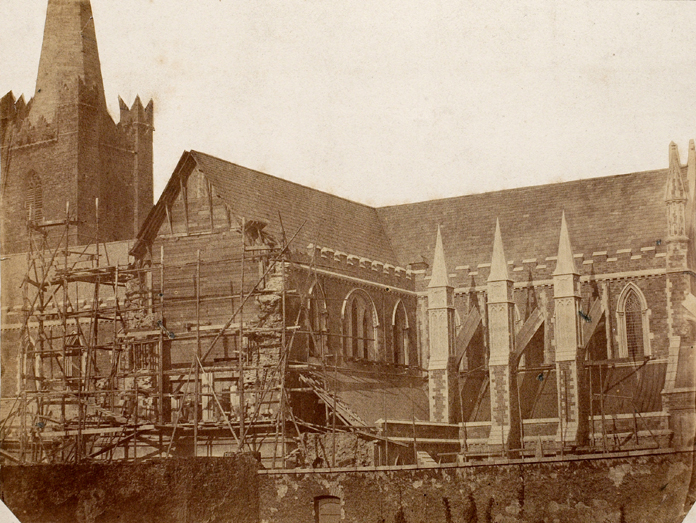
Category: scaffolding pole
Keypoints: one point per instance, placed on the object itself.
(110, 382)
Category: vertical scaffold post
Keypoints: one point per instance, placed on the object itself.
(160, 366)
(284, 359)
(197, 375)
(240, 348)
(64, 313)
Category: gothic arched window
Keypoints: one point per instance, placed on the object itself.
(34, 198)
(360, 324)
(400, 334)
(634, 331)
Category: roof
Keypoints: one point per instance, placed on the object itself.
(603, 214)
(331, 221)
(610, 213)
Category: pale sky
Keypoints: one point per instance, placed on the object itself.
(394, 101)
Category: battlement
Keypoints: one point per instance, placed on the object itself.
(16, 129)
(137, 114)
(352, 263)
(9, 106)
(614, 261)
(11, 111)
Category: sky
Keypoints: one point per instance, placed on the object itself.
(394, 101)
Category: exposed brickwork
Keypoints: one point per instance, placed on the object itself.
(196, 219)
(383, 287)
(566, 387)
(500, 413)
(437, 387)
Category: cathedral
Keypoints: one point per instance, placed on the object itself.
(242, 310)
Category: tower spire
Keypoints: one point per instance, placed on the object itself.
(439, 276)
(499, 270)
(69, 55)
(565, 263)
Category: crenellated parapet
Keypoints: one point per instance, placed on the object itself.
(619, 261)
(137, 114)
(360, 266)
(10, 113)
(16, 130)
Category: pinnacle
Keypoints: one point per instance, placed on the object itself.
(439, 276)
(691, 171)
(499, 270)
(675, 184)
(565, 263)
(673, 155)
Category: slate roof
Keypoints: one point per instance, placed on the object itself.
(332, 221)
(609, 213)
(603, 214)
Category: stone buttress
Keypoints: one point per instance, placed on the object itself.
(443, 385)
(571, 387)
(505, 418)
(679, 393)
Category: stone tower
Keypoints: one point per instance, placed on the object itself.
(63, 147)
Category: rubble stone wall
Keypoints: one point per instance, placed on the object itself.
(636, 489)
(171, 491)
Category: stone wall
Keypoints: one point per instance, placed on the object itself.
(643, 489)
(171, 491)
(352, 450)
(649, 488)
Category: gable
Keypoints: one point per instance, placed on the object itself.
(196, 208)
(322, 219)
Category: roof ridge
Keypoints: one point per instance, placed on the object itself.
(568, 182)
(284, 180)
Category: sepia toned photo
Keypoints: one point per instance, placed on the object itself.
(311, 262)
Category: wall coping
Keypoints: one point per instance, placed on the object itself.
(488, 463)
